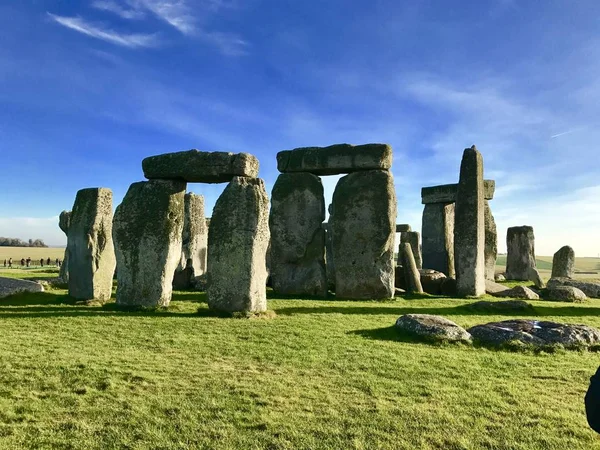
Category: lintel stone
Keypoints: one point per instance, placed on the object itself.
(446, 193)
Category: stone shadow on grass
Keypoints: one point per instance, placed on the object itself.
(392, 333)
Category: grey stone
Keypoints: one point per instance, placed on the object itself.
(492, 287)
(491, 242)
(589, 288)
(238, 239)
(402, 227)
(297, 235)
(535, 333)
(414, 239)
(412, 276)
(520, 258)
(520, 306)
(329, 261)
(200, 167)
(194, 243)
(518, 292)
(432, 281)
(363, 224)
(563, 262)
(447, 193)
(147, 230)
(469, 231)
(11, 286)
(438, 237)
(64, 221)
(335, 159)
(536, 278)
(449, 287)
(432, 327)
(90, 245)
(566, 294)
(399, 278)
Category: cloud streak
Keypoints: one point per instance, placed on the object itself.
(115, 8)
(125, 40)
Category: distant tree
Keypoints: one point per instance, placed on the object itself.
(16, 242)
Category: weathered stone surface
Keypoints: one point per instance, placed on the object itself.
(536, 278)
(297, 235)
(438, 238)
(399, 278)
(518, 292)
(402, 227)
(521, 253)
(335, 159)
(64, 221)
(147, 230)
(432, 281)
(449, 287)
(520, 306)
(329, 261)
(414, 239)
(446, 193)
(469, 231)
(412, 276)
(491, 242)
(194, 243)
(11, 286)
(90, 245)
(363, 224)
(536, 333)
(432, 327)
(589, 288)
(200, 167)
(566, 294)
(238, 239)
(492, 287)
(563, 262)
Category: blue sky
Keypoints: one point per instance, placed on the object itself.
(89, 88)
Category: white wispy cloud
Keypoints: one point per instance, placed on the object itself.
(116, 8)
(228, 43)
(176, 13)
(126, 40)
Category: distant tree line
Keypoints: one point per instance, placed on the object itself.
(15, 242)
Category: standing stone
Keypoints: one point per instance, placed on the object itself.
(414, 239)
(563, 262)
(438, 237)
(491, 242)
(90, 247)
(147, 231)
(412, 275)
(64, 221)
(363, 224)
(238, 238)
(520, 256)
(329, 263)
(194, 241)
(469, 231)
(297, 235)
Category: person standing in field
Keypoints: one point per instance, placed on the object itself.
(22, 262)
(4, 263)
(10, 263)
(42, 262)
(28, 261)
(48, 262)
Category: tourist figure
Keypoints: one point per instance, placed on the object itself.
(10, 263)
(48, 262)
(4, 263)
(22, 262)
(57, 263)
(42, 262)
(592, 402)
(28, 261)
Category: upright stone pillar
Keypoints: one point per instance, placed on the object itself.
(64, 220)
(147, 230)
(411, 272)
(438, 237)
(238, 239)
(520, 257)
(563, 262)
(491, 242)
(469, 232)
(363, 224)
(297, 235)
(329, 263)
(90, 247)
(194, 243)
(414, 239)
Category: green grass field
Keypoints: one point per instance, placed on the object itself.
(320, 374)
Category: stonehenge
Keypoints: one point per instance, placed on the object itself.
(413, 238)
(438, 228)
(520, 257)
(412, 276)
(91, 256)
(469, 233)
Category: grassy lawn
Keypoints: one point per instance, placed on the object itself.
(320, 374)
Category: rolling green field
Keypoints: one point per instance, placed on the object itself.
(319, 374)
